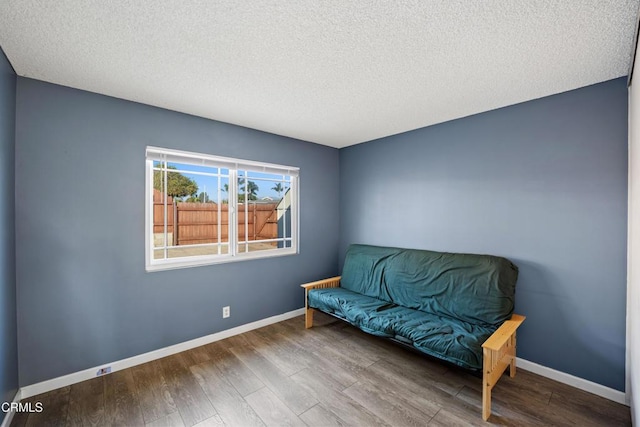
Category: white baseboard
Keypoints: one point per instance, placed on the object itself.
(87, 374)
(580, 383)
(6, 422)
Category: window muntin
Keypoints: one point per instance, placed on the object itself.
(204, 209)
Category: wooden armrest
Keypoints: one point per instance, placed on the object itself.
(332, 282)
(503, 333)
(498, 353)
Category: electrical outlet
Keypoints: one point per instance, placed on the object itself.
(103, 371)
(226, 312)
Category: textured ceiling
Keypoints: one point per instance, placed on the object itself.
(332, 72)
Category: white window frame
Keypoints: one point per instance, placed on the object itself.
(233, 165)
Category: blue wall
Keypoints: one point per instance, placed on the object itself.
(543, 183)
(84, 297)
(8, 337)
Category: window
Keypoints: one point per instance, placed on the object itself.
(203, 209)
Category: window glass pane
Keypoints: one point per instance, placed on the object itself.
(160, 210)
(256, 246)
(284, 217)
(195, 213)
(262, 202)
(187, 251)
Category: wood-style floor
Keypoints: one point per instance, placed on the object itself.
(330, 375)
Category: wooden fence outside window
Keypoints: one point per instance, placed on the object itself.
(196, 223)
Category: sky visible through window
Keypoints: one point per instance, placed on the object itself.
(263, 186)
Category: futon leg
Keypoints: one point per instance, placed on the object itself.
(486, 385)
(486, 401)
(308, 318)
(512, 365)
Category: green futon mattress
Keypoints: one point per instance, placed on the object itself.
(443, 337)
